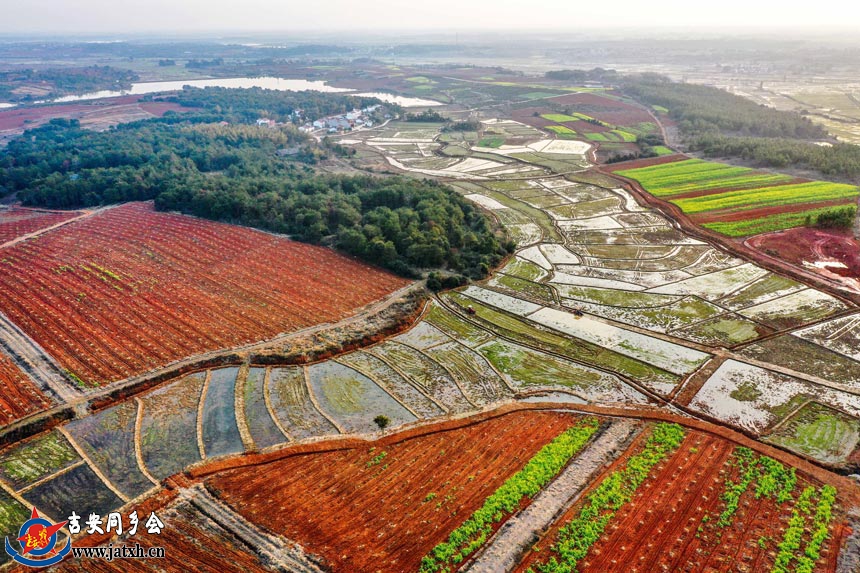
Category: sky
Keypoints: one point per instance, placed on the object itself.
(18, 17)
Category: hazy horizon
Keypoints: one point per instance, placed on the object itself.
(196, 17)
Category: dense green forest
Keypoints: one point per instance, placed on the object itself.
(703, 109)
(248, 105)
(842, 159)
(234, 173)
(63, 81)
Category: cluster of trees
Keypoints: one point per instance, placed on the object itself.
(453, 126)
(842, 159)
(839, 218)
(233, 173)
(428, 116)
(64, 81)
(247, 105)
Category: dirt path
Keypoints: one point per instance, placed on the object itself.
(503, 551)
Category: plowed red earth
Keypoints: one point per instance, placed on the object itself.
(129, 289)
(15, 221)
(385, 516)
(803, 245)
(659, 529)
(18, 395)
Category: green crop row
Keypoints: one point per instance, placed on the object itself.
(811, 192)
(527, 482)
(768, 224)
(820, 530)
(696, 175)
(771, 479)
(794, 532)
(576, 537)
(560, 129)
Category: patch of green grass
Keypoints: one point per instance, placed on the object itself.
(662, 150)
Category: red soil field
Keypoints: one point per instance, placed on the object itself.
(18, 395)
(804, 245)
(380, 516)
(129, 289)
(18, 221)
(659, 529)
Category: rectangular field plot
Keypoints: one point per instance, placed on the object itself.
(79, 489)
(756, 399)
(168, 433)
(352, 399)
(765, 289)
(28, 462)
(660, 319)
(725, 330)
(716, 285)
(220, 430)
(795, 309)
(107, 437)
(262, 428)
(840, 335)
(292, 404)
(791, 351)
(423, 335)
(456, 327)
(660, 353)
(819, 432)
(529, 289)
(425, 374)
(528, 369)
(386, 377)
(577, 349)
(479, 381)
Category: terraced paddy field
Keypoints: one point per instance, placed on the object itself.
(129, 289)
(738, 201)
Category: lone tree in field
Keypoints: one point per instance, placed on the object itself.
(382, 421)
